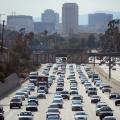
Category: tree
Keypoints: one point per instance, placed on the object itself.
(91, 41)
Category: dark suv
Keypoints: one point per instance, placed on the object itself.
(106, 88)
(65, 95)
(117, 100)
(15, 102)
(105, 111)
(1, 113)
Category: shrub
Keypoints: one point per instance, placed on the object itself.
(2, 77)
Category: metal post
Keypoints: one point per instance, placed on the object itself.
(109, 67)
(94, 61)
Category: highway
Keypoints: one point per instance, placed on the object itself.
(66, 112)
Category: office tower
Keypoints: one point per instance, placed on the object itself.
(99, 19)
(18, 22)
(49, 16)
(70, 18)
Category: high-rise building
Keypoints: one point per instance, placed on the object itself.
(99, 19)
(42, 26)
(69, 18)
(49, 16)
(18, 22)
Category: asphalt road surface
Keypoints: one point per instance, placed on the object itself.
(66, 112)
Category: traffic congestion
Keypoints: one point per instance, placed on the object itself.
(62, 91)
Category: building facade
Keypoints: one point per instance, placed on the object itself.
(18, 22)
(42, 26)
(49, 16)
(99, 19)
(69, 18)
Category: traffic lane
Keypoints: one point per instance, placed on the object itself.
(111, 103)
(88, 106)
(42, 108)
(12, 113)
(105, 98)
(6, 101)
(44, 103)
(66, 112)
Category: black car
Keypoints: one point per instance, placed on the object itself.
(95, 99)
(106, 88)
(117, 100)
(1, 113)
(15, 103)
(65, 95)
(113, 95)
(105, 111)
(1, 116)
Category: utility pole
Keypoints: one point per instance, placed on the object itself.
(2, 36)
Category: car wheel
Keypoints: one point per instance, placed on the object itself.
(115, 104)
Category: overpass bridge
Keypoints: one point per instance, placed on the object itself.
(49, 56)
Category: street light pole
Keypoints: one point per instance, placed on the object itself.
(2, 36)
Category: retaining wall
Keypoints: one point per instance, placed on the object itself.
(11, 82)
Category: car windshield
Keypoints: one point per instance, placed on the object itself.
(53, 116)
(24, 118)
(15, 100)
(102, 105)
(57, 101)
(53, 110)
(33, 97)
(65, 92)
(106, 109)
(25, 114)
(76, 98)
(20, 93)
(110, 118)
(95, 96)
(80, 113)
(76, 102)
(31, 103)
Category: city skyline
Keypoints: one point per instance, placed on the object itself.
(36, 7)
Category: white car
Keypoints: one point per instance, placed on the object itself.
(58, 97)
(77, 106)
(32, 106)
(25, 116)
(81, 115)
(20, 95)
(41, 94)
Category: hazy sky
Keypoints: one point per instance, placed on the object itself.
(36, 7)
